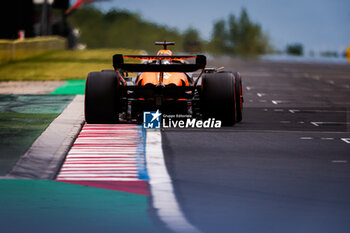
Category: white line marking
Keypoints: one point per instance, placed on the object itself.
(314, 123)
(346, 140)
(339, 161)
(306, 138)
(248, 88)
(164, 200)
(329, 123)
(260, 94)
(277, 101)
(262, 101)
(330, 81)
(314, 110)
(278, 110)
(294, 110)
(327, 138)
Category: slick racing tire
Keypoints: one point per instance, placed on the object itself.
(239, 96)
(218, 98)
(102, 101)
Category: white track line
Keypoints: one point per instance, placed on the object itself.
(277, 101)
(346, 140)
(163, 197)
(339, 161)
(329, 123)
(306, 138)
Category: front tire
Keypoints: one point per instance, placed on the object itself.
(102, 98)
(218, 98)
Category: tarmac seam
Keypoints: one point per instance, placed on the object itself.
(45, 157)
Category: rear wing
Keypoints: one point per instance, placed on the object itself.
(118, 63)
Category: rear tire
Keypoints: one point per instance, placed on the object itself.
(218, 97)
(102, 98)
(239, 97)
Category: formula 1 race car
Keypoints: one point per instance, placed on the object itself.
(166, 83)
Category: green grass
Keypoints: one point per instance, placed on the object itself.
(22, 119)
(18, 131)
(60, 65)
(71, 87)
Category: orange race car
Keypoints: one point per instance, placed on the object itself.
(164, 82)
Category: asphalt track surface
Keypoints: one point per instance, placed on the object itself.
(285, 168)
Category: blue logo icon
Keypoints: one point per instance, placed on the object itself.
(151, 120)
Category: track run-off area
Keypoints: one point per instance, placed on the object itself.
(284, 168)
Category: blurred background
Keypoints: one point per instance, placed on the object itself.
(225, 27)
(300, 30)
